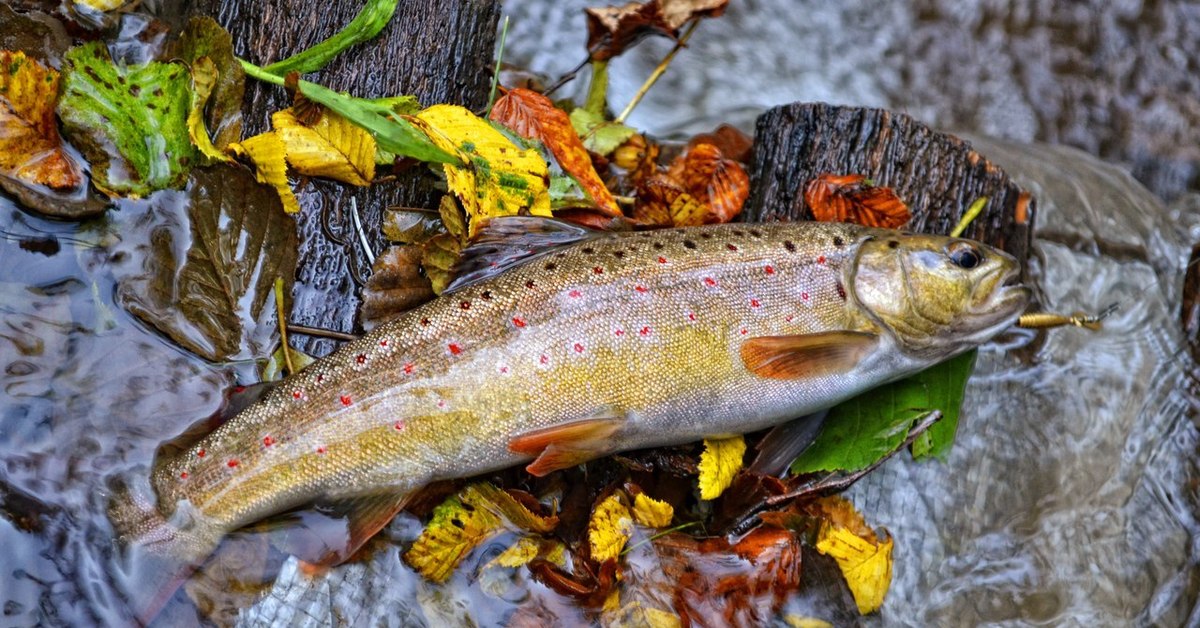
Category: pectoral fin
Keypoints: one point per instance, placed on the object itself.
(566, 445)
(810, 355)
(318, 546)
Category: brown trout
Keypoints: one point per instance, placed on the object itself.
(558, 345)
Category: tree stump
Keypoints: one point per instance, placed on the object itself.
(436, 50)
(937, 174)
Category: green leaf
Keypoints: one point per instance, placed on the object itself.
(367, 24)
(868, 427)
(392, 132)
(204, 37)
(599, 135)
(129, 121)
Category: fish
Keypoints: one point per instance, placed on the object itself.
(558, 345)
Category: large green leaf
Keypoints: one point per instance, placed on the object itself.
(129, 121)
(868, 427)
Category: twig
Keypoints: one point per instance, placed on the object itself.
(362, 235)
(566, 78)
(658, 71)
(496, 72)
(968, 216)
(287, 350)
(322, 333)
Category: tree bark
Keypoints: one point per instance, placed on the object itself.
(937, 174)
(437, 50)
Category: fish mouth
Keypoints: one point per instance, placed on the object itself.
(1006, 301)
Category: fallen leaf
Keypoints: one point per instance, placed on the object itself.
(865, 561)
(609, 529)
(276, 367)
(204, 77)
(395, 286)
(599, 135)
(203, 37)
(730, 140)
(411, 226)
(455, 529)
(103, 5)
(721, 460)
(638, 615)
(30, 147)
(332, 147)
(439, 259)
(497, 178)
(526, 549)
(611, 30)
(268, 154)
(484, 495)
(701, 187)
(453, 218)
(373, 17)
(852, 198)
(234, 240)
(534, 116)
(129, 121)
(652, 512)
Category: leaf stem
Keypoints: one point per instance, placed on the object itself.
(496, 72)
(322, 333)
(374, 16)
(597, 96)
(287, 350)
(658, 72)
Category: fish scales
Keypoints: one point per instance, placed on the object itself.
(645, 329)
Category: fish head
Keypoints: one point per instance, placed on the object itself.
(938, 295)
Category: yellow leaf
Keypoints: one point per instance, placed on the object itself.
(866, 563)
(687, 211)
(30, 147)
(528, 548)
(204, 77)
(455, 529)
(266, 152)
(499, 502)
(796, 621)
(721, 460)
(652, 512)
(333, 148)
(103, 5)
(452, 217)
(439, 257)
(610, 527)
(498, 178)
(638, 615)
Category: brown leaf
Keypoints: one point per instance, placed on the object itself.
(701, 187)
(532, 115)
(733, 143)
(396, 285)
(613, 29)
(852, 198)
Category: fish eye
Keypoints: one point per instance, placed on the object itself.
(965, 255)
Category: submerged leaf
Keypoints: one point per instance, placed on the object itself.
(268, 154)
(129, 121)
(497, 178)
(204, 76)
(30, 148)
(609, 529)
(332, 147)
(853, 198)
(455, 529)
(721, 460)
(411, 226)
(534, 116)
(214, 300)
(395, 286)
(652, 512)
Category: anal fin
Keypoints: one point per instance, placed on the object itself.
(568, 444)
(808, 355)
(331, 534)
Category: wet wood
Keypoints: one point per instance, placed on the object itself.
(937, 174)
(436, 50)
(1189, 308)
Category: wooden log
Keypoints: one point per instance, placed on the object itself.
(436, 50)
(937, 174)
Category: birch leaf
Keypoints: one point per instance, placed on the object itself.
(865, 561)
(609, 529)
(652, 512)
(204, 77)
(721, 460)
(30, 147)
(267, 152)
(455, 529)
(332, 148)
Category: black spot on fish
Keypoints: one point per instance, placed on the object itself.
(658, 246)
(739, 233)
(529, 284)
(731, 247)
(838, 241)
(841, 290)
(791, 248)
(618, 254)
(487, 295)
(425, 322)
(560, 255)
(688, 244)
(706, 235)
(893, 244)
(756, 233)
(466, 305)
(588, 250)
(550, 266)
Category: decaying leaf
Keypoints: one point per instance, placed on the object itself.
(30, 148)
(235, 240)
(528, 548)
(268, 154)
(638, 615)
(721, 460)
(865, 561)
(609, 529)
(497, 178)
(853, 198)
(203, 37)
(129, 121)
(701, 187)
(103, 5)
(611, 30)
(532, 115)
(204, 76)
(453, 218)
(599, 135)
(652, 512)
(276, 368)
(395, 286)
(411, 226)
(439, 258)
(332, 147)
(731, 141)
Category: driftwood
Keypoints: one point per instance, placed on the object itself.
(436, 50)
(937, 174)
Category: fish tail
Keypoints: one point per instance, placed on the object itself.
(138, 522)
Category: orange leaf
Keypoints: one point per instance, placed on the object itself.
(532, 115)
(30, 147)
(851, 198)
(721, 184)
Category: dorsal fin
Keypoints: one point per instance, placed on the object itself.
(508, 241)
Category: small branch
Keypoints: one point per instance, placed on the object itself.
(287, 350)
(566, 78)
(322, 333)
(969, 216)
(658, 72)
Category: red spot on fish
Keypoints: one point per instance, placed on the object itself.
(578, 348)
(770, 270)
(441, 403)
(268, 441)
(321, 450)
(804, 295)
(297, 395)
(619, 332)
(710, 282)
(454, 349)
(239, 389)
(543, 359)
(201, 453)
(841, 290)
(466, 305)
(731, 247)
(645, 331)
(518, 321)
(408, 368)
(642, 289)
(360, 358)
(597, 270)
(662, 260)
(320, 378)
(574, 294)
(820, 259)
(345, 399)
(754, 303)
(383, 343)
(232, 463)
(789, 318)
(743, 332)
(183, 476)
(504, 370)
(691, 316)
(399, 426)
